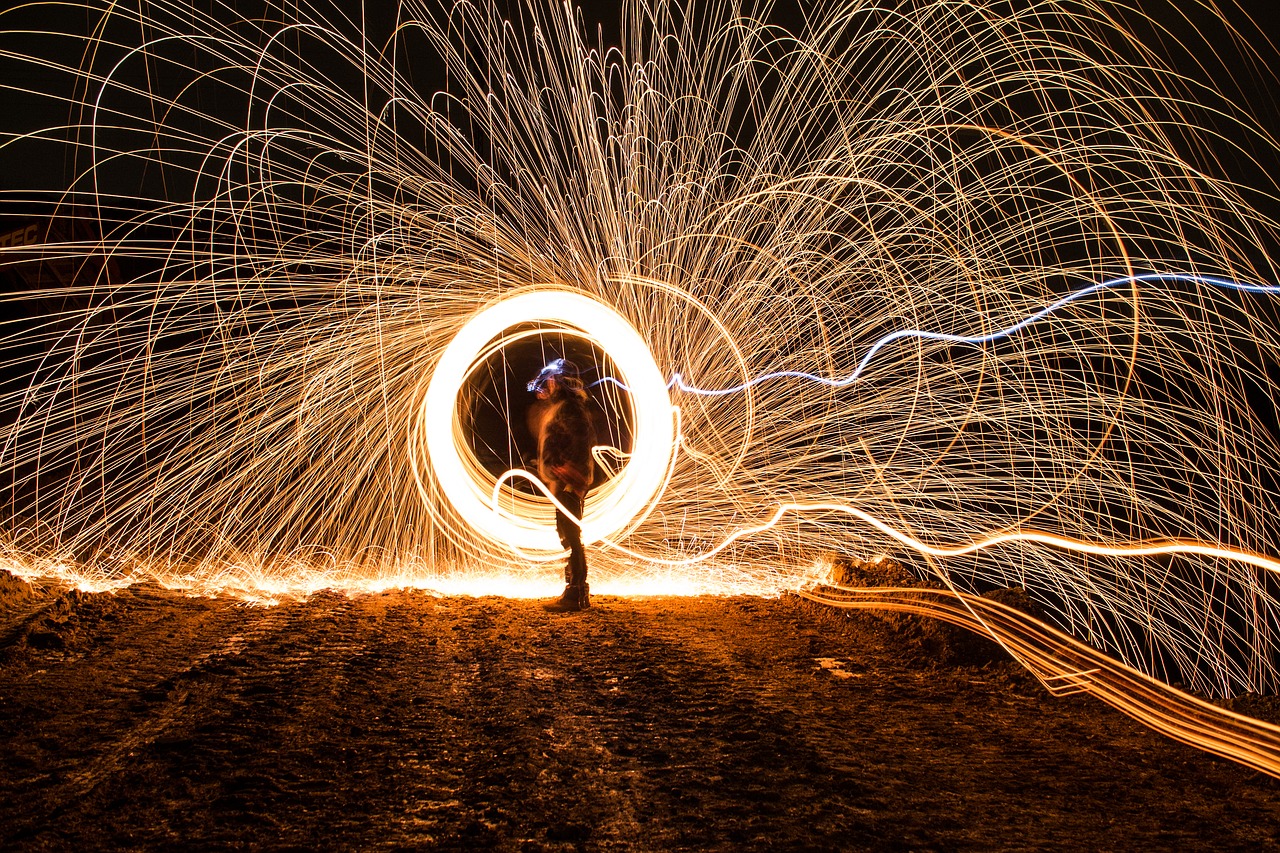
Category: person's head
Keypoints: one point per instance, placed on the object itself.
(558, 375)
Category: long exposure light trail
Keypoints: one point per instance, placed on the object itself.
(1064, 665)
(524, 523)
(1143, 548)
(677, 381)
(985, 288)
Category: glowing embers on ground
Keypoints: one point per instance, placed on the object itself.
(259, 583)
(508, 517)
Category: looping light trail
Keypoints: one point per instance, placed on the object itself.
(512, 519)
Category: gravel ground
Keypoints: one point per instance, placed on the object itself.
(145, 719)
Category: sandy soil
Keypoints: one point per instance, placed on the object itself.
(145, 719)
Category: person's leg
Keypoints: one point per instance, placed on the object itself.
(567, 528)
(571, 538)
(576, 595)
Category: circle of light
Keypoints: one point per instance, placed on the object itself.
(524, 522)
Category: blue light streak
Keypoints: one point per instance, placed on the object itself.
(677, 381)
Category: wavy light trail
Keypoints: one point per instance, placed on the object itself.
(677, 381)
(1064, 666)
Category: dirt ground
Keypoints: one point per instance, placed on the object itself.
(145, 719)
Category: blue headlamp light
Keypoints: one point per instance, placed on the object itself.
(551, 371)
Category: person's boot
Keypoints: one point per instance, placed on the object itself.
(574, 598)
(578, 578)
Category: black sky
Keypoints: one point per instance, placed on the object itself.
(31, 167)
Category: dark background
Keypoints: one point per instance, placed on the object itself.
(1208, 53)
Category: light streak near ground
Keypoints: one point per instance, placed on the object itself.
(1064, 666)
(944, 280)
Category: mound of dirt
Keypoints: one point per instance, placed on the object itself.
(13, 591)
(50, 619)
(924, 641)
(1254, 705)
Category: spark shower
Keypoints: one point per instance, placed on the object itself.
(975, 285)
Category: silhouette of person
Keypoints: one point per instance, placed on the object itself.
(561, 424)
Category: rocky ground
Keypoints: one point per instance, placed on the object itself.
(145, 719)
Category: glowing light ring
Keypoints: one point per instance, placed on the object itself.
(526, 523)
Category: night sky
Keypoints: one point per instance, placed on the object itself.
(30, 166)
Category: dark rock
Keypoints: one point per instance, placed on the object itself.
(882, 571)
(13, 589)
(1254, 705)
(1017, 598)
(46, 640)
